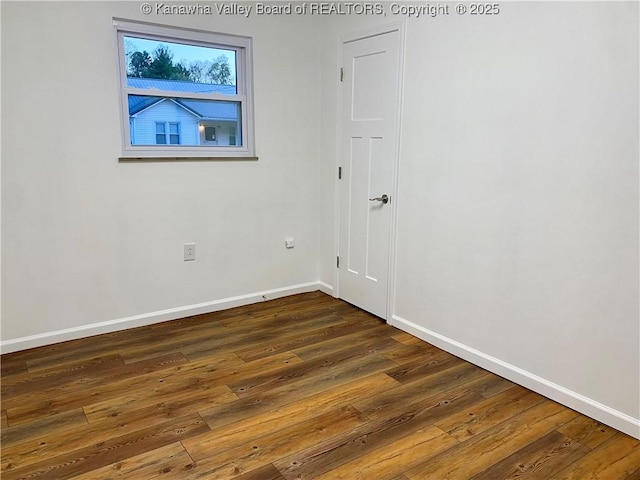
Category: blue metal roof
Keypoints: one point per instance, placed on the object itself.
(203, 109)
(180, 86)
(138, 103)
(208, 109)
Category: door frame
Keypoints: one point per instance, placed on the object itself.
(400, 27)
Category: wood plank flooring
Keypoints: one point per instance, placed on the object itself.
(303, 387)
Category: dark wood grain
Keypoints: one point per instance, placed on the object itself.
(234, 434)
(587, 431)
(295, 392)
(109, 451)
(170, 459)
(277, 444)
(489, 412)
(618, 457)
(474, 455)
(51, 424)
(266, 472)
(80, 391)
(540, 459)
(54, 376)
(5, 422)
(12, 365)
(301, 387)
(269, 381)
(375, 435)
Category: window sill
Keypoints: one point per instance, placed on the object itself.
(182, 159)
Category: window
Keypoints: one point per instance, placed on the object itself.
(184, 93)
(167, 133)
(161, 133)
(174, 133)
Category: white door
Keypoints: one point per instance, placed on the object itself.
(369, 115)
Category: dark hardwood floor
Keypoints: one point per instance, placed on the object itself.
(304, 387)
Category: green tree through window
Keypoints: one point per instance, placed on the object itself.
(160, 65)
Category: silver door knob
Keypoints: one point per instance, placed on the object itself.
(384, 199)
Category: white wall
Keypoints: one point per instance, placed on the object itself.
(518, 202)
(87, 239)
(517, 236)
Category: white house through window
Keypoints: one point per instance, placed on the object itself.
(184, 92)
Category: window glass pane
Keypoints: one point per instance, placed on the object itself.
(179, 67)
(232, 135)
(190, 121)
(174, 136)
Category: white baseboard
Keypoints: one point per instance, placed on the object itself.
(326, 288)
(48, 338)
(560, 394)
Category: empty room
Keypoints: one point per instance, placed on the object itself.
(320, 240)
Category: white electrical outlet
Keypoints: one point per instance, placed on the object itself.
(189, 252)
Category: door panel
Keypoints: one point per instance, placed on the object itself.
(368, 155)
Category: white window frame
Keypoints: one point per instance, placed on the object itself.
(244, 85)
(163, 133)
(166, 126)
(178, 133)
